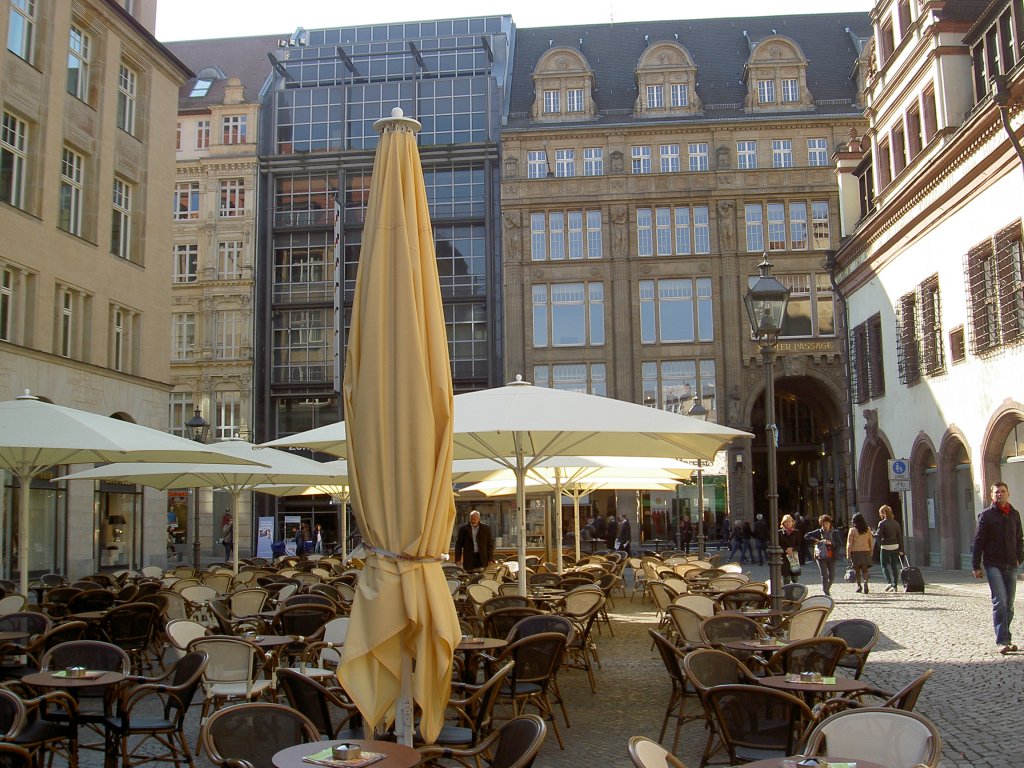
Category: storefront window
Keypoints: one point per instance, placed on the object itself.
(119, 506)
(46, 520)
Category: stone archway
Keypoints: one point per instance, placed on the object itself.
(1002, 450)
(873, 478)
(925, 545)
(957, 501)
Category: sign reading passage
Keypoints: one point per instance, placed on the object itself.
(899, 475)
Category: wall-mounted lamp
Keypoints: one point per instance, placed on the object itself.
(739, 462)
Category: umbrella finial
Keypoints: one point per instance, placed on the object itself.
(397, 122)
(26, 395)
(519, 381)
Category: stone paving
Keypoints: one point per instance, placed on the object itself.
(974, 697)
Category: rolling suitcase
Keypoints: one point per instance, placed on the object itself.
(910, 576)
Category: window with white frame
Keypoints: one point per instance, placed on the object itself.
(201, 88)
(536, 164)
(6, 303)
(817, 152)
(127, 95)
(227, 333)
(66, 323)
(557, 235)
(790, 91)
(782, 153)
(798, 226)
(69, 209)
(21, 29)
(754, 217)
(593, 161)
(121, 220)
(810, 311)
(232, 198)
(565, 162)
(669, 158)
(13, 160)
(641, 159)
(698, 154)
(233, 129)
(680, 95)
(766, 91)
(670, 312)
(78, 63)
(746, 155)
(574, 100)
(183, 335)
(227, 416)
(672, 384)
(229, 259)
(588, 378)
(678, 231)
(186, 263)
(179, 410)
(820, 232)
(776, 226)
(568, 315)
(552, 102)
(202, 134)
(655, 96)
(118, 356)
(186, 200)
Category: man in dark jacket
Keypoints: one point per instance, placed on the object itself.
(999, 549)
(624, 536)
(474, 545)
(761, 538)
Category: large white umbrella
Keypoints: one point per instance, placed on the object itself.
(274, 467)
(519, 425)
(337, 489)
(35, 435)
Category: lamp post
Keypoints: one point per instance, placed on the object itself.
(698, 411)
(197, 428)
(766, 308)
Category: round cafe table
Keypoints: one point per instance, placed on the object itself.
(776, 762)
(395, 755)
(812, 691)
(468, 646)
(12, 635)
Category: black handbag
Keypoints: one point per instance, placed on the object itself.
(851, 574)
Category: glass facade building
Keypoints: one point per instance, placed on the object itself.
(328, 88)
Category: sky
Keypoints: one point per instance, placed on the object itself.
(198, 19)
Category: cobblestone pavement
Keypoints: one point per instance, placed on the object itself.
(974, 697)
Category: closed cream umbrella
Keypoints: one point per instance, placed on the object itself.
(35, 435)
(275, 467)
(399, 412)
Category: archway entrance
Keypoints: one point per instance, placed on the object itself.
(874, 483)
(811, 452)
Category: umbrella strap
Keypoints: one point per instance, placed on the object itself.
(401, 555)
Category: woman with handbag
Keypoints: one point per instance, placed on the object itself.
(826, 543)
(859, 542)
(890, 538)
(790, 541)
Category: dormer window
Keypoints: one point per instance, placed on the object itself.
(776, 77)
(200, 89)
(563, 84)
(666, 80)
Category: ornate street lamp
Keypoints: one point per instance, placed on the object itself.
(766, 302)
(197, 429)
(698, 411)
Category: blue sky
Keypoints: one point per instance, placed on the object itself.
(197, 19)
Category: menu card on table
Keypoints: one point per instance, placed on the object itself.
(326, 757)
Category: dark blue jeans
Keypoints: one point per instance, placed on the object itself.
(828, 573)
(1002, 581)
(890, 565)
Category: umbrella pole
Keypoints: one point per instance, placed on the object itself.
(558, 516)
(576, 517)
(343, 500)
(521, 503)
(24, 475)
(234, 530)
(403, 706)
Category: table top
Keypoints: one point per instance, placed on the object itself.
(776, 762)
(841, 685)
(269, 641)
(481, 644)
(87, 615)
(50, 680)
(12, 634)
(397, 755)
(769, 646)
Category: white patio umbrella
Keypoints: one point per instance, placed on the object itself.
(35, 435)
(519, 425)
(578, 476)
(337, 489)
(275, 467)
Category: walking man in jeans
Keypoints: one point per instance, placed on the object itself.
(999, 547)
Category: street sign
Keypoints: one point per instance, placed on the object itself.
(899, 475)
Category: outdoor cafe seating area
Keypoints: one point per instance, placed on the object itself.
(114, 662)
